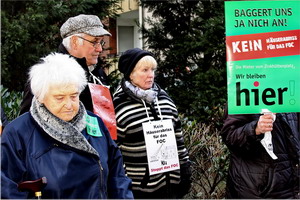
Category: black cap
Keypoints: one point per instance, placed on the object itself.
(129, 59)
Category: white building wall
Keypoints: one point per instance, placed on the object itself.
(127, 26)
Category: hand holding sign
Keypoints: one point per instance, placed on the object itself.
(264, 124)
(267, 140)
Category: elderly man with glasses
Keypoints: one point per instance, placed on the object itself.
(83, 39)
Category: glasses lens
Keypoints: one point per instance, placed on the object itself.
(102, 43)
(98, 44)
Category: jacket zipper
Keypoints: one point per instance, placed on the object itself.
(101, 179)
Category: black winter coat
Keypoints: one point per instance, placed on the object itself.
(252, 172)
(85, 96)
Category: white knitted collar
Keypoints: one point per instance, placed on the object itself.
(68, 133)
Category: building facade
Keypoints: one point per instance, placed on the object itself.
(125, 30)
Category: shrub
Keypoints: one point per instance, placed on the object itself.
(209, 157)
(10, 102)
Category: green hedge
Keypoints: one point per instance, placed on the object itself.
(10, 102)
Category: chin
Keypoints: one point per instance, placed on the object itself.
(146, 88)
(94, 62)
(150, 86)
(67, 118)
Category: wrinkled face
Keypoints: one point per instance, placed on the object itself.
(62, 101)
(143, 76)
(88, 50)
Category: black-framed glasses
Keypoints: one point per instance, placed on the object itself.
(95, 44)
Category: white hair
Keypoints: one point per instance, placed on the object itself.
(67, 41)
(146, 60)
(56, 69)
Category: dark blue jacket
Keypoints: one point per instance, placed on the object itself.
(28, 153)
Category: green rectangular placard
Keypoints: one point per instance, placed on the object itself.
(263, 56)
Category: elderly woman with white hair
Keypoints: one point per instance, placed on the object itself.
(60, 140)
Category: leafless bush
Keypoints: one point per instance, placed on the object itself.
(210, 161)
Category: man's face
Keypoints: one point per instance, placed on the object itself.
(62, 101)
(89, 50)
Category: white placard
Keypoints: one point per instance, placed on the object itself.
(161, 146)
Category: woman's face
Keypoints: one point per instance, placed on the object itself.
(62, 101)
(142, 76)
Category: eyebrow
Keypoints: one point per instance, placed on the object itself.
(97, 38)
(75, 93)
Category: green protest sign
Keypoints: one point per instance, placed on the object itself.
(263, 56)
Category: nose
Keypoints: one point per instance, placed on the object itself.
(68, 104)
(151, 74)
(99, 48)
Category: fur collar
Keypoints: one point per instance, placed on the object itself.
(68, 133)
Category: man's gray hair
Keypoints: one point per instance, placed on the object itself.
(67, 41)
(56, 69)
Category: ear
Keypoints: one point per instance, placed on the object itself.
(131, 77)
(40, 100)
(74, 42)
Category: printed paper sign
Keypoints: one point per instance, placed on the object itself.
(263, 56)
(161, 146)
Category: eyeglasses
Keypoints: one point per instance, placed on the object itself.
(95, 44)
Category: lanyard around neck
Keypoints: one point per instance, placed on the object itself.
(159, 110)
(95, 80)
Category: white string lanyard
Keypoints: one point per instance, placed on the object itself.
(159, 110)
(161, 118)
(96, 79)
